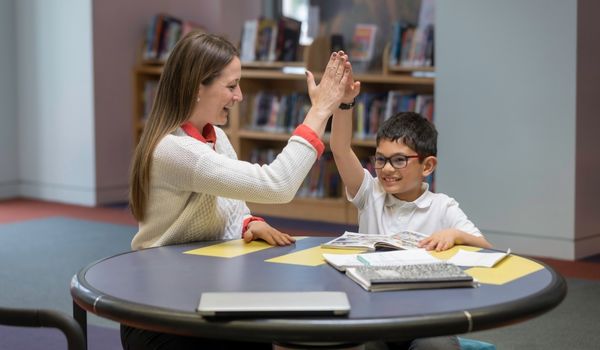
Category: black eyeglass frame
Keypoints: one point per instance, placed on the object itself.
(389, 159)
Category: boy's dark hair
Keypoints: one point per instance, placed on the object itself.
(413, 130)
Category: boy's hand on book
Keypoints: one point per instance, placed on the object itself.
(440, 240)
(262, 230)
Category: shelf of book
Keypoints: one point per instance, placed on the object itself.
(273, 64)
(284, 137)
(145, 80)
(378, 78)
(333, 210)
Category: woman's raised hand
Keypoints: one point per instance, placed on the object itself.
(327, 96)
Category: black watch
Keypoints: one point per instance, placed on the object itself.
(347, 105)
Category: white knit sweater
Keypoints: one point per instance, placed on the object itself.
(198, 193)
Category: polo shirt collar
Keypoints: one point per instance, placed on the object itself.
(423, 202)
(208, 134)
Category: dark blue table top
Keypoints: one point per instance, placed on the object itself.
(159, 289)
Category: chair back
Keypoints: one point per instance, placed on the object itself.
(45, 318)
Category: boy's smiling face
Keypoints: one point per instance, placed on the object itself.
(405, 183)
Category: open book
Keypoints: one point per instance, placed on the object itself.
(388, 258)
(353, 240)
(413, 276)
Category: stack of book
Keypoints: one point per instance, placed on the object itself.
(411, 276)
(406, 266)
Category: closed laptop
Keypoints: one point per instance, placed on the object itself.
(273, 304)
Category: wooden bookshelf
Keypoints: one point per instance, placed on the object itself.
(261, 76)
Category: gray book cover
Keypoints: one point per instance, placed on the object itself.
(412, 276)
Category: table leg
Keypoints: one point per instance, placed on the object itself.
(80, 316)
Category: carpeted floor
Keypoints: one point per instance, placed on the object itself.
(21, 338)
(42, 245)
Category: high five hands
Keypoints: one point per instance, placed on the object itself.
(335, 86)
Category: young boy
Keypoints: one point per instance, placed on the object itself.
(398, 199)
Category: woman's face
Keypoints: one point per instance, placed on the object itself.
(216, 100)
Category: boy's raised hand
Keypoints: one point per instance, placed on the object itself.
(352, 87)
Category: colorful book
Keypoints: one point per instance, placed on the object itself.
(363, 42)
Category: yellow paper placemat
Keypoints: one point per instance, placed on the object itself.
(310, 257)
(508, 269)
(233, 248)
(230, 249)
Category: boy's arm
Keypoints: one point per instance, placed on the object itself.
(469, 239)
(348, 165)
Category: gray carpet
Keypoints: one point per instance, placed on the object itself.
(39, 257)
(574, 324)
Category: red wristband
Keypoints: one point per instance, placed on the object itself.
(311, 136)
(247, 221)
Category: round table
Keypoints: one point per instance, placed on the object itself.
(158, 289)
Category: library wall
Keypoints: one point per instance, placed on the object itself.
(587, 172)
(507, 111)
(55, 100)
(8, 97)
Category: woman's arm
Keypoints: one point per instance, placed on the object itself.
(194, 167)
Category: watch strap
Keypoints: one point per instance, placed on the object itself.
(348, 105)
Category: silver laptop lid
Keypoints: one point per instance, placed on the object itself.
(252, 304)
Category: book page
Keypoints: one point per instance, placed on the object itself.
(397, 258)
(402, 240)
(390, 258)
(482, 259)
(353, 240)
(409, 239)
(342, 261)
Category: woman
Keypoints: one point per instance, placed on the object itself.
(186, 181)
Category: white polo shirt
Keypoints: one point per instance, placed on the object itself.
(382, 213)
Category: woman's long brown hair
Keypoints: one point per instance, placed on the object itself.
(197, 58)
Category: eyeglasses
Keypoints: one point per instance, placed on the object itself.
(397, 161)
